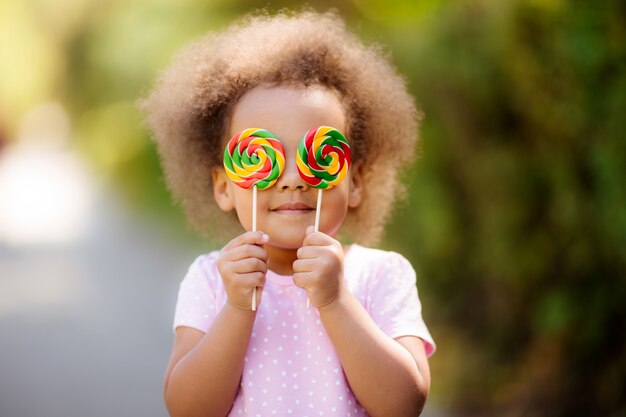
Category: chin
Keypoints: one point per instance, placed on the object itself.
(293, 241)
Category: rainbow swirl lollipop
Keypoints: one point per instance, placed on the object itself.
(254, 157)
(323, 157)
(323, 161)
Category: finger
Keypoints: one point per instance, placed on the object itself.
(301, 279)
(318, 239)
(251, 279)
(309, 252)
(248, 238)
(305, 265)
(243, 266)
(247, 251)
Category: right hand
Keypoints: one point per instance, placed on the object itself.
(242, 264)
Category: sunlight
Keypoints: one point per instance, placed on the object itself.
(45, 190)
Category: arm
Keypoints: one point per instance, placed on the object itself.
(389, 377)
(204, 371)
(203, 375)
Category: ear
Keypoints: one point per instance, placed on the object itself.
(221, 189)
(356, 186)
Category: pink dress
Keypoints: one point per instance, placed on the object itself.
(291, 367)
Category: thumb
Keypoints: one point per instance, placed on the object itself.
(309, 230)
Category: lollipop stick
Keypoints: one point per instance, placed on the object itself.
(319, 210)
(317, 224)
(254, 208)
(254, 230)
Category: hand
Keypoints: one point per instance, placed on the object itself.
(319, 268)
(242, 264)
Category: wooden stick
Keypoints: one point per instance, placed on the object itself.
(254, 230)
(254, 208)
(317, 225)
(319, 210)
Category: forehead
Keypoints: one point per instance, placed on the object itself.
(288, 112)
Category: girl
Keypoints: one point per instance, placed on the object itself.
(361, 347)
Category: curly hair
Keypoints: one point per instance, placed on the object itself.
(190, 106)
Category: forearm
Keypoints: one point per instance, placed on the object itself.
(205, 381)
(383, 375)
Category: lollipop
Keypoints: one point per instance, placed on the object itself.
(323, 161)
(254, 158)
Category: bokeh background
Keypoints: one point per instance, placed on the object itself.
(515, 220)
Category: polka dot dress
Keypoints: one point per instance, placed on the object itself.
(291, 367)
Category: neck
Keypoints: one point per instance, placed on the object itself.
(281, 259)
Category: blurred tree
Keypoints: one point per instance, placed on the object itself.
(519, 208)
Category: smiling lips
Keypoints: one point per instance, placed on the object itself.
(293, 208)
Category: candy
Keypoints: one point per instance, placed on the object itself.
(254, 157)
(323, 157)
(323, 160)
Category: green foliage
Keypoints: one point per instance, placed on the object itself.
(518, 206)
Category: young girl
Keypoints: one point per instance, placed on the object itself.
(361, 346)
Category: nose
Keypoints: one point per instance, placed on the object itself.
(290, 179)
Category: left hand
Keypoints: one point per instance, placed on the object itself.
(319, 268)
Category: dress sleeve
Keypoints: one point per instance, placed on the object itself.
(395, 305)
(197, 304)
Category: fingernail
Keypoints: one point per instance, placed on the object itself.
(265, 237)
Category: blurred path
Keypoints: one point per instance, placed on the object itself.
(85, 324)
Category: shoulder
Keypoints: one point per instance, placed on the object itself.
(200, 295)
(368, 268)
(376, 260)
(202, 270)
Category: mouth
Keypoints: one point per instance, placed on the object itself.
(293, 208)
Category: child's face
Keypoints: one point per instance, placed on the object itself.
(285, 210)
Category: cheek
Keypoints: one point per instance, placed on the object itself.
(242, 198)
(336, 200)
